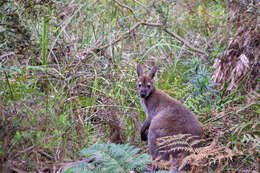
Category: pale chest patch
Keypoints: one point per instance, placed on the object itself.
(144, 107)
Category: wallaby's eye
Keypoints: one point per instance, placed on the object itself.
(149, 85)
(139, 85)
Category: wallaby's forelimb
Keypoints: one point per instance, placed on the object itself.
(145, 129)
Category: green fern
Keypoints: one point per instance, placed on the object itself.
(112, 158)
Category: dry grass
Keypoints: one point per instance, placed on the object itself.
(68, 78)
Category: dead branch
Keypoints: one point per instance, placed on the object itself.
(46, 155)
(7, 54)
(150, 12)
(153, 24)
(128, 8)
(186, 43)
(18, 170)
(67, 165)
(124, 35)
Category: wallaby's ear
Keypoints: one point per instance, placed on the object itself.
(152, 72)
(139, 70)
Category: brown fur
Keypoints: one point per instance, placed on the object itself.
(165, 115)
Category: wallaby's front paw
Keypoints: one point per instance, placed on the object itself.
(143, 136)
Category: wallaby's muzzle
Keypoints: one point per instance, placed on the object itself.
(142, 94)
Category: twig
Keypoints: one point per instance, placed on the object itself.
(186, 43)
(124, 35)
(98, 49)
(149, 11)
(128, 32)
(7, 54)
(17, 170)
(128, 8)
(67, 165)
(46, 155)
(29, 149)
(152, 24)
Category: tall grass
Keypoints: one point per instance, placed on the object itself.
(59, 95)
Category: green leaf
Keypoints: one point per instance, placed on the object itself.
(113, 158)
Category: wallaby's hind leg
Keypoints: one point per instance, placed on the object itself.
(158, 130)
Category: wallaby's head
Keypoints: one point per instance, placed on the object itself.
(145, 83)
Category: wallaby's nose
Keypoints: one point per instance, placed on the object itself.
(142, 94)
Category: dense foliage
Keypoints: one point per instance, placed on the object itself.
(68, 76)
(111, 158)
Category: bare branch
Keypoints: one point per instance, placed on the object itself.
(186, 43)
(17, 170)
(152, 24)
(123, 35)
(149, 11)
(7, 54)
(128, 8)
(126, 34)
(46, 155)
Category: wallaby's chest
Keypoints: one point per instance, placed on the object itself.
(144, 107)
(149, 111)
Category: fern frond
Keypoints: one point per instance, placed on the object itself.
(196, 142)
(174, 137)
(80, 167)
(172, 144)
(175, 149)
(202, 149)
(114, 158)
(181, 142)
(198, 156)
(193, 138)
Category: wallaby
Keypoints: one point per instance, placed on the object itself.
(165, 116)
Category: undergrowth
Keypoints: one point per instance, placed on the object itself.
(199, 157)
(111, 158)
(68, 77)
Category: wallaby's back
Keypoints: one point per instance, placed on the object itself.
(172, 118)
